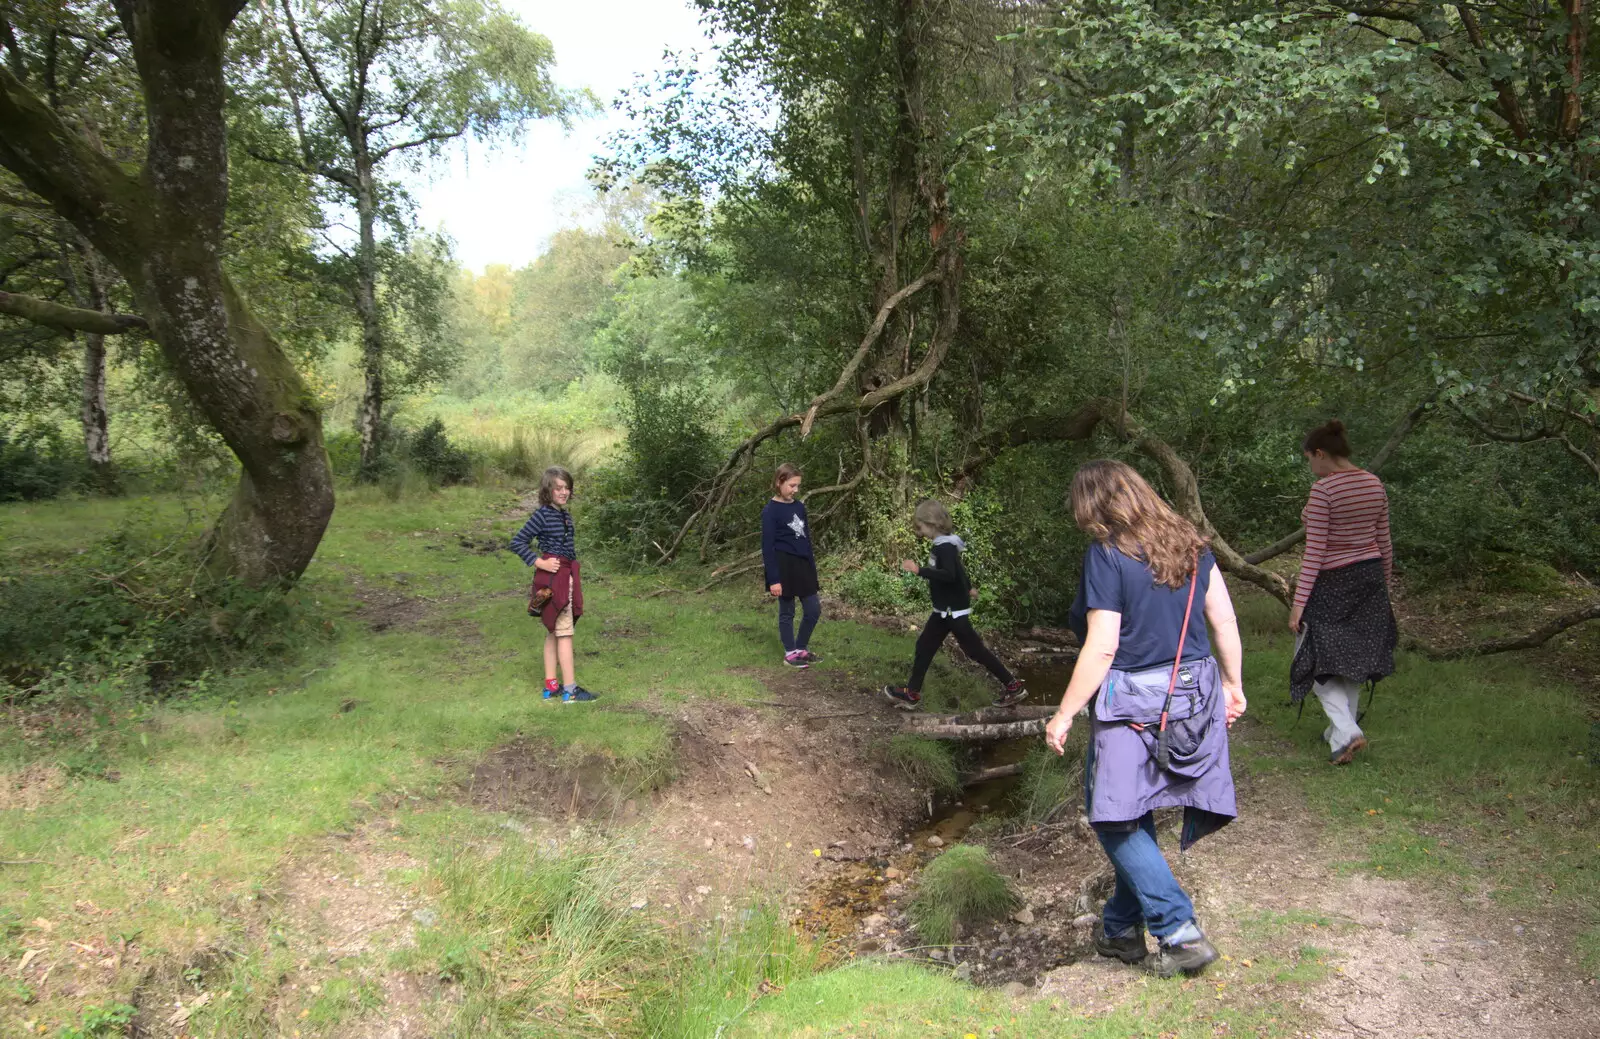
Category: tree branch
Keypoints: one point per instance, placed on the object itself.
(1079, 425)
(1408, 422)
(311, 65)
(867, 342)
(1533, 640)
(1510, 106)
(1537, 436)
(69, 319)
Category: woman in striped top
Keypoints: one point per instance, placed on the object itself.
(1341, 614)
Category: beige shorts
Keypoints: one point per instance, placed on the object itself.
(564, 625)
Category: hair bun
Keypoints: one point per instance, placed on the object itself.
(1334, 426)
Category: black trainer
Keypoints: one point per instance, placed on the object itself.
(1129, 947)
(1012, 695)
(903, 697)
(1189, 957)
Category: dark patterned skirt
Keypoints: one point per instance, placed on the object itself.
(1348, 626)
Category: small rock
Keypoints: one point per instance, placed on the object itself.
(702, 890)
(892, 874)
(640, 904)
(894, 891)
(964, 972)
(1014, 989)
(425, 917)
(1023, 915)
(1085, 922)
(936, 841)
(514, 825)
(749, 842)
(1519, 930)
(937, 954)
(874, 922)
(708, 842)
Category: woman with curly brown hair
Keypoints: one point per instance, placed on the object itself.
(1161, 704)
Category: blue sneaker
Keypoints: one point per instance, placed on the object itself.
(579, 695)
(551, 694)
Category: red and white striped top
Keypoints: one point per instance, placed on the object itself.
(1347, 521)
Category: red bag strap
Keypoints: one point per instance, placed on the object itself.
(1183, 637)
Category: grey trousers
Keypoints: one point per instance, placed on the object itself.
(1341, 702)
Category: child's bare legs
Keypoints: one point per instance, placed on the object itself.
(558, 652)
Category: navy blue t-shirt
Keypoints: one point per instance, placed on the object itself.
(1152, 613)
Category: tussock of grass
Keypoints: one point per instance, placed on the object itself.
(525, 453)
(925, 762)
(959, 887)
(1048, 781)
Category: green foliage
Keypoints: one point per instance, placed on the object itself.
(882, 590)
(101, 1022)
(135, 612)
(928, 764)
(959, 887)
(430, 450)
(36, 463)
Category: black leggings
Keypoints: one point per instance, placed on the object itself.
(932, 637)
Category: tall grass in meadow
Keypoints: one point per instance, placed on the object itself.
(520, 456)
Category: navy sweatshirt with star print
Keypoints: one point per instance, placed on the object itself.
(783, 529)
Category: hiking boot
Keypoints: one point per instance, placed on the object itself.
(1012, 695)
(1190, 956)
(1346, 754)
(902, 697)
(796, 659)
(1129, 947)
(579, 695)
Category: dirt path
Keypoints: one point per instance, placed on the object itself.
(1397, 959)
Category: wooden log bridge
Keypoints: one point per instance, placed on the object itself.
(985, 725)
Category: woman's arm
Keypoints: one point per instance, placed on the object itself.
(1088, 674)
(1316, 518)
(1225, 642)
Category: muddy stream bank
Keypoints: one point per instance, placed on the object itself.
(1058, 871)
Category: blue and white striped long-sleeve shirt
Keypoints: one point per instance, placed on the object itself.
(550, 529)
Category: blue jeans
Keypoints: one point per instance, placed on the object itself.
(1147, 892)
(811, 609)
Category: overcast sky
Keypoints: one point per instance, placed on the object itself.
(501, 206)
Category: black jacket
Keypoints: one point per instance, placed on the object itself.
(946, 577)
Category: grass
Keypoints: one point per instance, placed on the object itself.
(1048, 781)
(925, 762)
(960, 887)
(894, 1000)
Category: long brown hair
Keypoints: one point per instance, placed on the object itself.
(547, 484)
(1114, 505)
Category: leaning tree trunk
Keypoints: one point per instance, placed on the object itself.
(163, 231)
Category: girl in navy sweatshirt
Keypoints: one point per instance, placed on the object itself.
(791, 569)
(952, 612)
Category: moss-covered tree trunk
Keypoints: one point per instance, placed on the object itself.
(162, 230)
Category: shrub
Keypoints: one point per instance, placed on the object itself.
(36, 463)
(874, 588)
(1048, 781)
(958, 888)
(140, 606)
(430, 450)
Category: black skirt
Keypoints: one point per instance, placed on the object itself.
(797, 574)
(1349, 629)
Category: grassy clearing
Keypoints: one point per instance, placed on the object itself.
(959, 887)
(163, 831)
(1479, 777)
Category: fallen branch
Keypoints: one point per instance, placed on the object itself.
(997, 772)
(719, 577)
(1532, 640)
(985, 716)
(979, 733)
(1408, 422)
(1536, 436)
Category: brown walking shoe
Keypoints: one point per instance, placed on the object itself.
(1347, 753)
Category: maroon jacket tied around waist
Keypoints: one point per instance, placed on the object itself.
(566, 586)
